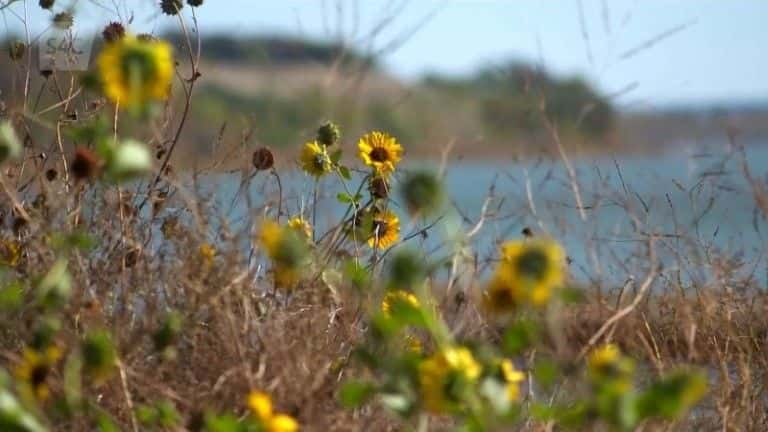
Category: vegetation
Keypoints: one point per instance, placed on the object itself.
(131, 300)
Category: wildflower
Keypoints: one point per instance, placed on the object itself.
(63, 20)
(128, 159)
(608, 368)
(528, 274)
(378, 187)
(35, 368)
(207, 254)
(171, 7)
(282, 423)
(392, 298)
(113, 32)
(263, 159)
(380, 151)
(135, 71)
(301, 226)
(16, 50)
(287, 250)
(10, 253)
(444, 376)
(261, 405)
(380, 229)
(512, 378)
(328, 134)
(99, 355)
(422, 192)
(85, 164)
(10, 145)
(315, 160)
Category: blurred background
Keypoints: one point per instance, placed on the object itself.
(597, 122)
(482, 76)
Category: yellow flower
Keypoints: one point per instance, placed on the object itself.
(207, 253)
(380, 151)
(136, 71)
(261, 405)
(10, 253)
(529, 273)
(301, 226)
(315, 160)
(443, 376)
(382, 230)
(287, 249)
(512, 377)
(270, 236)
(35, 368)
(399, 296)
(608, 367)
(282, 423)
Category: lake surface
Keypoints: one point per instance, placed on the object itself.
(696, 203)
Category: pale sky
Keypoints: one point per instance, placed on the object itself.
(651, 53)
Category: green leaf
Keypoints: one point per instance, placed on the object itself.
(571, 295)
(357, 275)
(344, 172)
(520, 336)
(336, 156)
(545, 372)
(673, 395)
(11, 295)
(344, 198)
(355, 393)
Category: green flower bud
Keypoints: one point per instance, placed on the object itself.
(10, 146)
(422, 192)
(128, 159)
(328, 134)
(99, 355)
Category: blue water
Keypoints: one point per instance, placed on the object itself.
(696, 203)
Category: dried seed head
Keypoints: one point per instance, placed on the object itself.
(51, 174)
(113, 32)
(195, 3)
(263, 159)
(16, 50)
(47, 4)
(85, 165)
(328, 134)
(63, 20)
(378, 187)
(171, 7)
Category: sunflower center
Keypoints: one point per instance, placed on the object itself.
(532, 263)
(319, 162)
(137, 66)
(379, 154)
(38, 375)
(380, 228)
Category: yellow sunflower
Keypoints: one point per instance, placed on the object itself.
(443, 376)
(301, 226)
(261, 405)
(136, 71)
(380, 151)
(34, 369)
(609, 368)
(315, 160)
(398, 297)
(512, 377)
(10, 253)
(287, 249)
(529, 272)
(383, 229)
